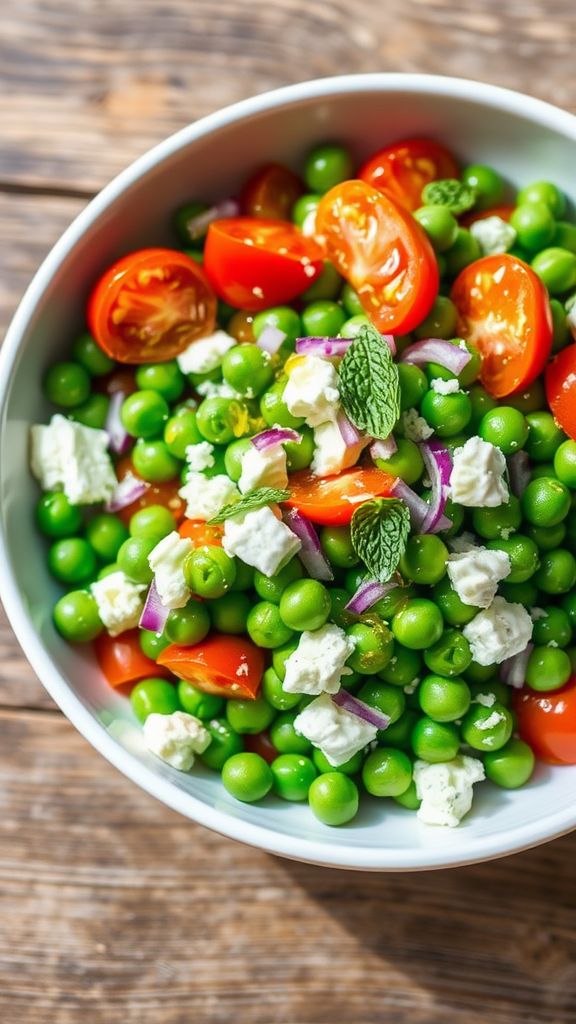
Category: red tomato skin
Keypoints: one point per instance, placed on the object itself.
(271, 193)
(254, 277)
(121, 659)
(402, 169)
(504, 212)
(323, 499)
(260, 743)
(227, 666)
(547, 722)
(202, 533)
(560, 382)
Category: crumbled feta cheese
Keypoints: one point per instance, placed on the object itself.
(493, 235)
(477, 475)
(411, 688)
(465, 542)
(206, 496)
(487, 700)
(263, 468)
(336, 732)
(445, 789)
(120, 602)
(331, 453)
(538, 613)
(167, 561)
(506, 532)
(445, 387)
(499, 632)
(260, 540)
(216, 389)
(200, 456)
(318, 663)
(489, 723)
(312, 390)
(206, 354)
(69, 456)
(176, 738)
(415, 426)
(475, 574)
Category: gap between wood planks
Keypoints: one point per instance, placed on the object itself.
(49, 191)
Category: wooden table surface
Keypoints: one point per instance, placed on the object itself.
(114, 910)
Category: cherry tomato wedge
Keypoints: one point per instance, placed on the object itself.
(150, 305)
(547, 721)
(503, 309)
(156, 494)
(271, 193)
(504, 212)
(331, 500)
(123, 380)
(254, 263)
(561, 389)
(382, 251)
(402, 170)
(227, 666)
(121, 659)
(201, 533)
(260, 743)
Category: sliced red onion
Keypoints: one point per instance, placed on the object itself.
(350, 434)
(435, 350)
(276, 435)
(513, 670)
(154, 613)
(417, 507)
(389, 339)
(384, 449)
(314, 346)
(120, 439)
(368, 593)
(129, 489)
(271, 339)
(197, 226)
(439, 466)
(310, 554)
(357, 707)
(519, 470)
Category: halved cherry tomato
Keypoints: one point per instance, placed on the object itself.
(504, 212)
(331, 500)
(156, 494)
(228, 666)
(271, 193)
(503, 309)
(150, 305)
(561, 389)
(547, 721)
(254, 263)
(260, 743)
(382, 251)
(121, 659)
(201, 532)
(402, 170)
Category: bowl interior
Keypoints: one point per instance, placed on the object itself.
(524, 140)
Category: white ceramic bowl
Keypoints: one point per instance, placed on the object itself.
(522, 137)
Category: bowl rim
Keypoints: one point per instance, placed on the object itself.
(337, 854)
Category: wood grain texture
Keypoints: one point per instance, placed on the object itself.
(113, 910)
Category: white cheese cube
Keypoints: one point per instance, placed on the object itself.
(477, 475)
(206, 496)
(445, 789)
(331, 454)
(336, 732)
(176, 738)
(200, 456)
(493, 235)
(260, 540)
(167, 563)
(263, 468)
(318, 663)
(499, 632)
(206, 354)
(73, 457)
(415, 426)
(475, 574)
(120, 602)
(312, 390)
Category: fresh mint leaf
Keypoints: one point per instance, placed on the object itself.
(451, 193)
(379, 532)
(251, 501)
(369, 384)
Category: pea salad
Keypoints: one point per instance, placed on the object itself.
(309, 485)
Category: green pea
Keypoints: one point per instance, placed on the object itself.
(492, 687)
(435, 741)
(271, 588)
(304, 604)
(418, 625)
(333, 798)
(556, 268)
(565, 463)
(406, 462)
(133, 558)
(153, 521)
(181, 431)
(326, 286)
(451, 606)
(565, 236)
(480, 675)
(352, 327)
(511, 766)
(534, 225)
(554, 630)
(351, 301)
(442, 318)
(326, 166)
(106, 534)
(188, 625)
(462, 252)
(548, 668)
(229, 613)
(444, 700)
(247, 777)
(153, 461)
(403, 668)
(209, 571)
(487, 184)
(523, 554)
(450, 655)
(494, 523)
(154, 697)
(299, 454)
(547, 537)
(323, 319)
(67, 384)
(195, 702)
(390, 700)
(88, 353)
(281, 654)
(76, 617)
(225, 743)
(399, 734)
(274, 693)
(293, 775)
(544, 436)
(72, 560)
(391, 603)
(152, 644)
(350, 767)
(487, 728)
(439, 224)
(560, 328)
(544, 192)
(530, 400)
(413, 385)
(284, 318)
(184, 222)
(144, 413)
(56, 517)
(337, 545)
(265, 626)
(410, 799)
(387, 772)
(447, 414)
(92, 413)
(285, 737)
(424, 560)
(545, 501)
(373, 646)
(249, 716)
(304, 207)
(165, 378)
(274, 409)
(248, 369)
(504, 427)
(481, 403)
(221, 420)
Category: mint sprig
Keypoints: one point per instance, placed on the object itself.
(249, 502)
(369, 384)
(379, 532)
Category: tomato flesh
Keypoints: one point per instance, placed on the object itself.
(253, 263)
(121, 659)
(561, 389)
(382, 251)
(331, 501)
(227, 666)
(271, 193)
(165, 494)
(149, 306)
(503, 310)
(202, 533)
(547, 721)
(402, 170)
